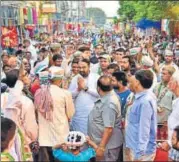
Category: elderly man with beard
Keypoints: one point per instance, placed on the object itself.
(83, 87)
(173, 120)
(165, 98)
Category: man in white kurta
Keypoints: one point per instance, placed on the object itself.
(84, 91)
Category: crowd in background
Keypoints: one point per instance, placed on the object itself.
(90, 98)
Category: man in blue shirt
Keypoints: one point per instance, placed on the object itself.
(142, 119)
(119, 82)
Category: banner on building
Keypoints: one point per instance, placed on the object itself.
(49, 8)
(9, 37)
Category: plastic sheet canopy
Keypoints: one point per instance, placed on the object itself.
(145, 24)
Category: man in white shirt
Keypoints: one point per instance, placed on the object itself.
(31, 48)
(173, 120)
(84, 91)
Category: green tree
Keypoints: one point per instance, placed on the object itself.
(154, 10)
(126, 10)
(115, 20)
(97, 14)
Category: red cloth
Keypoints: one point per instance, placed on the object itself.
(162, 133)
(9, 37)
(161, 155)
(34, 87)
(25, 11)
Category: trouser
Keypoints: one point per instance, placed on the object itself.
(120, 156)
(112, 154)
(150, 157)
(46, 154)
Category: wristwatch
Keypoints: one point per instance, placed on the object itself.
(86, 89)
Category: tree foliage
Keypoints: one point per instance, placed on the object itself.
(115, 20)
(97, 14)
(153, 10)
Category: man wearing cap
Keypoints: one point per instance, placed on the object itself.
(41, 66)
(55, 109)
(147, 64)
(168, 60)
(102, 67)
(55, 48)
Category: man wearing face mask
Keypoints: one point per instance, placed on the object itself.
(104, 122)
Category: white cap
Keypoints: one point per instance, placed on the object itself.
(168, 53)
(56, 72)
(75, 139)
(147, 61)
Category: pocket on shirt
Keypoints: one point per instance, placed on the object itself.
(133, 118)
(97, 117)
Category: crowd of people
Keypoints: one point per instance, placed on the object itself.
(83, 98)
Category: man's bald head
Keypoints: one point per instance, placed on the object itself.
(104, 83)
